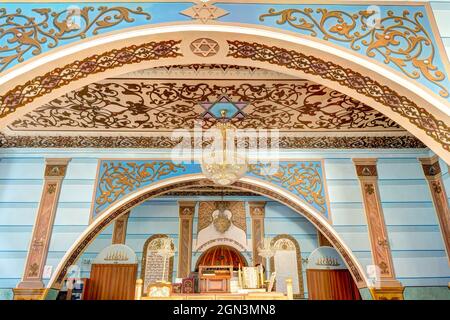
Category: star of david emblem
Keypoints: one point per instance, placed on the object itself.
(215, 109)
(204, 12)
(204, 47)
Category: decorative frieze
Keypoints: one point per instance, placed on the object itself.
(55, 170)
(432, 172)
(186, 212)
(257, 214)
(366, 170)
(166, 142)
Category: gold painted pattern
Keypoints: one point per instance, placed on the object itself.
(304, 180)
(163, 142)
(59, 77)
(27, 34)
(125, 177)
(401, 40)
(420, 117)
(155, 105)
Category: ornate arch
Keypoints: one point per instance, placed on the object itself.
(144, 256)
(298, 253)
(192, 180)
(419, 111)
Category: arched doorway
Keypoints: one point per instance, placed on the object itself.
(221, 255)
(191, 180)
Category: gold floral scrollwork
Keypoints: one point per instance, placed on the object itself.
(302, 179)
(401, 40)
(420, 117)
(121, 178)
(31, 34)
(59, 77)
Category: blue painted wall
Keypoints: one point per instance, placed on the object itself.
(416, 242)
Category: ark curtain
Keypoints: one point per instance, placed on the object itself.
(112, 282)
(331, 285)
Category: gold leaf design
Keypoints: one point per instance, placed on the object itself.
(303, 180)
(290, 59)
(401, 40)
(121, 178)
(156, 105)
(30, 34)
(164, 142)
(59, 77)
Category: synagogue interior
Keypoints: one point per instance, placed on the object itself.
(232, 150)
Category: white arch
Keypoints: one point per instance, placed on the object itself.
(261, 32)
(414, 91)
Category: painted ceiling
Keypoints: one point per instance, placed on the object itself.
(156, 104)
(152, 103)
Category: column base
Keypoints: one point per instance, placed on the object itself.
(391, 290)
(31, 284)
(29, 293)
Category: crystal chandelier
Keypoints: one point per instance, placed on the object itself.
(222, 166)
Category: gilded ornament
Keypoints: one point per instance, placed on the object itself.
(33, 271)
(120, 178)
(32, 34)
(420, 117)
(301, 106)
(401, 40)
(221, 223)
(369, 188)
(51, 188)
(302, 179)
(59, 77)
(164, 142)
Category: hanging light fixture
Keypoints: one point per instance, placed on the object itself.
(223, 166)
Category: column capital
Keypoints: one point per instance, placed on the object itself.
(366, 167)
(56, 167)
(187, 209)
(257, 209)
(431, 167)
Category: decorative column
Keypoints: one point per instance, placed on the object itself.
(386, 286)
(186, 211)
(120, 229)
(432, 172)
(257, 213)
(31, 286)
